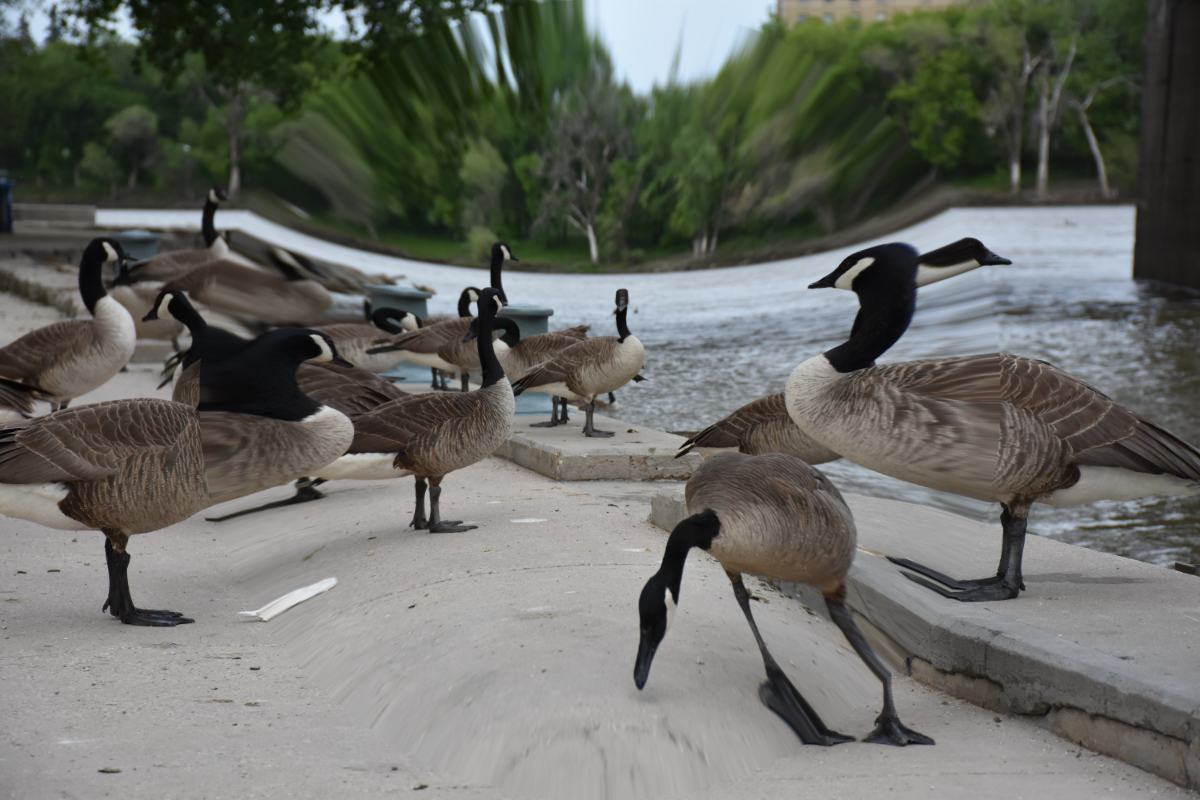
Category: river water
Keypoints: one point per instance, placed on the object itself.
(717, 339)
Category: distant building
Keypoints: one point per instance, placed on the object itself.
(794, 11)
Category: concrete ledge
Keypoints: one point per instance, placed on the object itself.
(56, 215)
(1102, 650)
(565, 454)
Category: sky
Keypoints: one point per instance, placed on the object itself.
(641, 34)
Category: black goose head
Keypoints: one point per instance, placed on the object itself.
(469, 295)
(660, 595)
(874, 268)
(99, 251)
(955, 259)
(500, 254)
(173, 304)
(393, 320)
(216, 195)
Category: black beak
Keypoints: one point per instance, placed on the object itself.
(990, 259)
(151, 317)
(472, 332)
(341, 362)
(828, 282)
(646, 650)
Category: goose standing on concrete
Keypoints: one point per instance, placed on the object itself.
(776, 517)
(354, 339)
(469, 295)
(64, 360)
(172, 304)
(122, 467)
(764, 426)
(264, 432)
(255, 294)
(995, 427)
(526, 354)
(163, 267)
(591, 367)
(431, 435)
(138, 299)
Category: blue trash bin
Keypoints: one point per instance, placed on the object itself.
(139, 244)
(6, 202)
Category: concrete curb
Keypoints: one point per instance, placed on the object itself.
(1110, 703)
(564, 454)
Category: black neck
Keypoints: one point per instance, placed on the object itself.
(883, 316)
(622, 328)
(206, 222)
(512, 331)
(497, 268)
(250, 381)
(214, 343)
(464, 305)
(697, 530)
(91, 279)
(382, 317)
(492, 371)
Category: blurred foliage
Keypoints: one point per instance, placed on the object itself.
(430, 122)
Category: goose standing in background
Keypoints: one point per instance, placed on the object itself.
(995, 427)
(431, 435)
(764, 426)
(469, 295)
(500, 254)
(440, 346)
(164, 267)
(526, 354)
(591, 367)
(172, 304)
(122, 467)
(354, 339)
(67, 359)
(776, 517)
(138, 299)
(255, 294)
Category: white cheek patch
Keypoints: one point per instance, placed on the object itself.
(111, 253)
(162, 312)
(504, 249)
(212, 196)
(499, 303)
(927, 275)
(326, 353)
(409, 322)
(670, 601)
(473, 295)
(846, 280)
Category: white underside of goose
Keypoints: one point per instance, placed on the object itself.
(362, 467)
(1114, 483)
(78, 373)
(428, 359)
(558, 390)
(38, 502)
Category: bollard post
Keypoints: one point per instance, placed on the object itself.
(139, 244)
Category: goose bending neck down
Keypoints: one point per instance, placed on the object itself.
(430, 435)
(995, 427)
(774, 516)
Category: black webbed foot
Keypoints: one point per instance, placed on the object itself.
(154, 619)
(595, 434)
(305, 493)
(890, 730)
(977, 594)
(548, 424)
(779, 695)
(451, 526)
(946, 580)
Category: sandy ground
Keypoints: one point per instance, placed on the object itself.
(494, 663)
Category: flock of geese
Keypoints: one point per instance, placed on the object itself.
(307, 404)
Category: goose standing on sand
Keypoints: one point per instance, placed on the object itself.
(995, 427)
(764, 426)
(591, 367)
(163, 267)
(431, 435)
(67, 359)
(776, 517)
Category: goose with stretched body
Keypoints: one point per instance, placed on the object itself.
(173, 304)
(431, 435)
(64, 360)
(164, 267)
(591, 367)
(764, 425)
(440, 346)
(255, 294)
(776, 517)
(994, 427)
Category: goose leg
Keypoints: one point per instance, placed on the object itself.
(553, 421)
(306, 491)
(433, 384)
(563, 419)
(466, 384)
(588, 429)
(436, 523)
(888, 728)
(779, 694)
(419, 521)
(120, 602)
(1007, 583)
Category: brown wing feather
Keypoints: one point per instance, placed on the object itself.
(761, 426)
(563, 367)
(36, 351)
(429, 339)
(351, 390)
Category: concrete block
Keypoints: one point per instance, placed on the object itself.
(1153, 752)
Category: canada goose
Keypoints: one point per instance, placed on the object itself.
(440, 346)
(354, 339)
(165, 267)
(500, 254)
(138, 299)
(122, 467)
(469, 295)
(431, 435)
(526, 354)
(764, 425)
(264, 431)
(775, 516)
(253, 293)
(64, 360)
(995, 427)
(217, 342)
(591, 367)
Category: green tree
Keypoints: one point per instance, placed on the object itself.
(133, 136)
